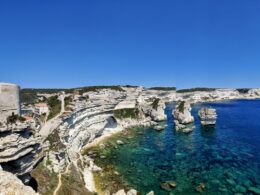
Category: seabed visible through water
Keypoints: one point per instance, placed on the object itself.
(224, 158)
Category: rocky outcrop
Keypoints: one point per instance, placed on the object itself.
(122, 192)
(156, 110)
(182, 115)
(208, 116)
(254, 93)
(19, 150)
(10, 184)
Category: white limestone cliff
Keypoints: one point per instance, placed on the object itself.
(10, 184)
(182, 115)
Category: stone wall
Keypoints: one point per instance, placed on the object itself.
(9, 100)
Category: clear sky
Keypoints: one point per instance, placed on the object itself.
(183, 43)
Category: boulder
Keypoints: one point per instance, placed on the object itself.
(150, 193)
(10, 184)
(159, 127)
(132, 192)
(120, 192)
(119, 142)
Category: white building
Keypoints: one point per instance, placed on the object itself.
(41, 108)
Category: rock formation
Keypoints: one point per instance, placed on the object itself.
(95, 115)
(182, 116)
(10, 184)
(208, 116)
(19, 150)
(156, 110)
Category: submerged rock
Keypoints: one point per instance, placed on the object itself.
(159, 127)
(150, 193)
(182, 115)
(119, 142)
(201, 187)
(254, 190)
(132, 192)
(168, 185)
(208, 116)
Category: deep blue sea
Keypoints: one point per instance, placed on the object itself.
(226, 158)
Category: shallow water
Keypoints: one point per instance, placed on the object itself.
(225, 158)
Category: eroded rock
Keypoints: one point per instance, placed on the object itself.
(182, 115)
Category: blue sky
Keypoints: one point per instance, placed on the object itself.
(183, 43)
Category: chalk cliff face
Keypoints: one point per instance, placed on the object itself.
(103, 113)
(19, 150)
(106, 112)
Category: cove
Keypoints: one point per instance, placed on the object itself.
(225, 158)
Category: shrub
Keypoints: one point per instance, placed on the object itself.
(243, 90)
(181, 106)
(196, 89)
(126, 113)
(155, 103)
(163, 88)
(55, 106)
(12, 119)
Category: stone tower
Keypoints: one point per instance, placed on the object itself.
(9, 100)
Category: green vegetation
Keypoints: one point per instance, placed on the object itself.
(163, 88)
(73, 183)
(83, 90)
(130, 86)
(47, 180)
(67, 101)
(54, 140)
(29, 95)
(110, 178)
(54, 105)
(48, 161)
(126, 113)
(196, 89)
(155, 103)
(243, 90)
(181, 106)
(13, 118)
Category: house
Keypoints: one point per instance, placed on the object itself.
(41, 108)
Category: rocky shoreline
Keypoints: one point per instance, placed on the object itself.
(99, 114)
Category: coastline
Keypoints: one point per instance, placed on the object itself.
(92, 183)
(89, 176)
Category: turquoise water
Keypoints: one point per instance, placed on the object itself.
(225, 158)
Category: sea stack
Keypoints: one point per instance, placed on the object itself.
(182, 116)
(208, 116)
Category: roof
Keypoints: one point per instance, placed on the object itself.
(41, 105)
